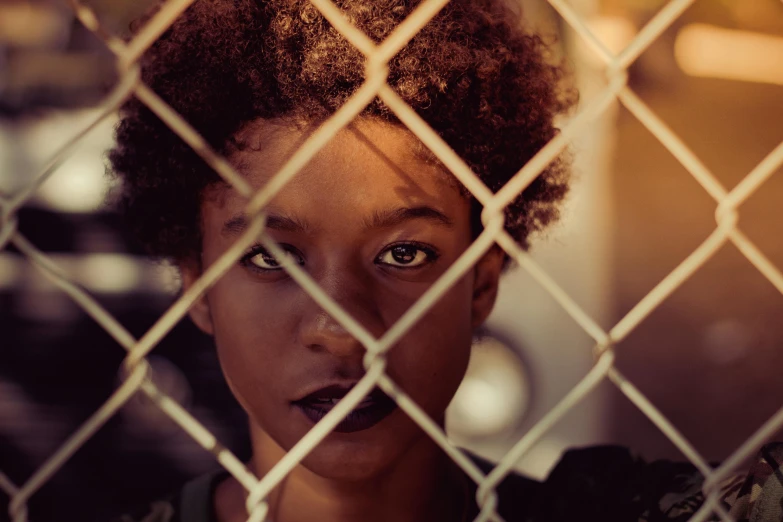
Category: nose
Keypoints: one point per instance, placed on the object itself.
(319, 331)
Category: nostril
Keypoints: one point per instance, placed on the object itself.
(330, 338)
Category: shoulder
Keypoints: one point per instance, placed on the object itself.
(606, 483)
(517, 494)
(158, 511)
(758, 495)
(613, 482)
(191, 503)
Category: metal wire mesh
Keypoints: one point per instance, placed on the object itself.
(136, 370)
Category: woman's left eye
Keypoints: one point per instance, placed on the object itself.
(406, 256)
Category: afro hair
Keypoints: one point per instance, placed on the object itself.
(472, 73)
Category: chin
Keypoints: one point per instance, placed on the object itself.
(350, 456)
(350, 461)
(365, 454)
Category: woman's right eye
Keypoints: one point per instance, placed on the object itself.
(260, 259)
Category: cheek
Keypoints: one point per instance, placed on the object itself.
(249, 333)
(430, 361)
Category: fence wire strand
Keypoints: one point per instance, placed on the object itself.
(137, 378)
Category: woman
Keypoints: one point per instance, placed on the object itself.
(374, 219)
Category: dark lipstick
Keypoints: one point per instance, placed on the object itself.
(373, 408)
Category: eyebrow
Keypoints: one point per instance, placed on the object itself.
(238, 224)
(393, 217)
(380, 219)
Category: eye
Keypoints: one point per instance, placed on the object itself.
(258, 258)
(407, 255)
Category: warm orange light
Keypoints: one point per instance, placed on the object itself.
(615, 32)
(715, 52)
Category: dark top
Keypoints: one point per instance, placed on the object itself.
(601, 483)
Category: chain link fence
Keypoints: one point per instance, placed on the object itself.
(136, 371)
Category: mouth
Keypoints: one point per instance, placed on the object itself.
(372, 410)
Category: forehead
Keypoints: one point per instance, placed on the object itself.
(365, 165)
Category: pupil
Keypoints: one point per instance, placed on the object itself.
(269, 260)
(404, 254)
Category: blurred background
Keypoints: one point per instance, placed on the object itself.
(709, 358)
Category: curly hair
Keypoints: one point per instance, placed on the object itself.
(483, 84)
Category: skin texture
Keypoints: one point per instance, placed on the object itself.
(276, 344)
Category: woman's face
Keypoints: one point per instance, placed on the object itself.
(375, 226)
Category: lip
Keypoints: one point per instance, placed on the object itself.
(376, 406)
(339, 388)
(338, 391)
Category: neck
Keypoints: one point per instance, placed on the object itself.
(423, 485)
